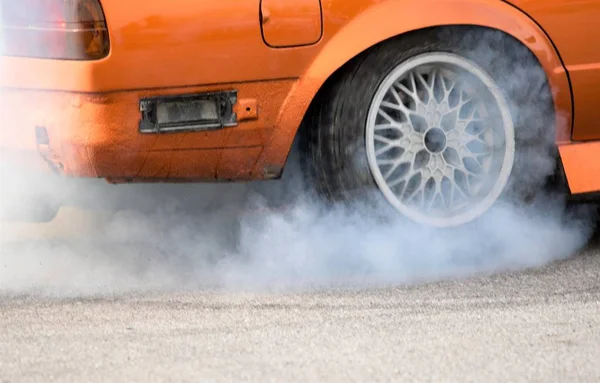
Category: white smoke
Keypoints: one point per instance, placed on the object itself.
(303, 246)
(170, 242)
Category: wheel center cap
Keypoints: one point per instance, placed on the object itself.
(435, 140)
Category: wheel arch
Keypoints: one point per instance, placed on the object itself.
(395, 19)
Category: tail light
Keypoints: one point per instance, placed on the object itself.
(53, 29)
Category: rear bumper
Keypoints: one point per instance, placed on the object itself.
(97, 135)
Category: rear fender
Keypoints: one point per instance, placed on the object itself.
(393, 18)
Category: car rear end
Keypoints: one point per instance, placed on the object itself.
(49, 49)
(88, 89)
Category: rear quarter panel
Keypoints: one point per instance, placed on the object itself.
(189, 42)
(167, 44)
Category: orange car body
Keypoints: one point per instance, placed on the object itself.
(276, 54)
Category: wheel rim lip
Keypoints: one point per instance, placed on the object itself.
(503, 176)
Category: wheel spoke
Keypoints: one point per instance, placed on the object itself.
(404, 128)
(384, 140)
(405, 158)
(384, 149)
(399, 107)
(448, 91)
(423, 81)
(398, 180)
(410, 93)
(460, 105)
(396, 95)
(386, 116)
(413, 83)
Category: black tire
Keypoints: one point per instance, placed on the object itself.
(335, 159)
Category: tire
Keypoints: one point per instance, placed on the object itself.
(340, 149)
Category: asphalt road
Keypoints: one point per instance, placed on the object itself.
(533, 326)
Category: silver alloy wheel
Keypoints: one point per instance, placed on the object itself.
(440, 140)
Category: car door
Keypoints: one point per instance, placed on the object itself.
(573, 27)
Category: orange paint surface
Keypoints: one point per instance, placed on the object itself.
(582, 166)
(277, 55)
(288, 24)
(96, 135)
(573, 27)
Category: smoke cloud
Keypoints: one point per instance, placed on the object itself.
(156, 238)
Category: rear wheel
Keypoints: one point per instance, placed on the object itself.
(437, 128)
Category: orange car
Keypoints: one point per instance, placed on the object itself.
(439, 107)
